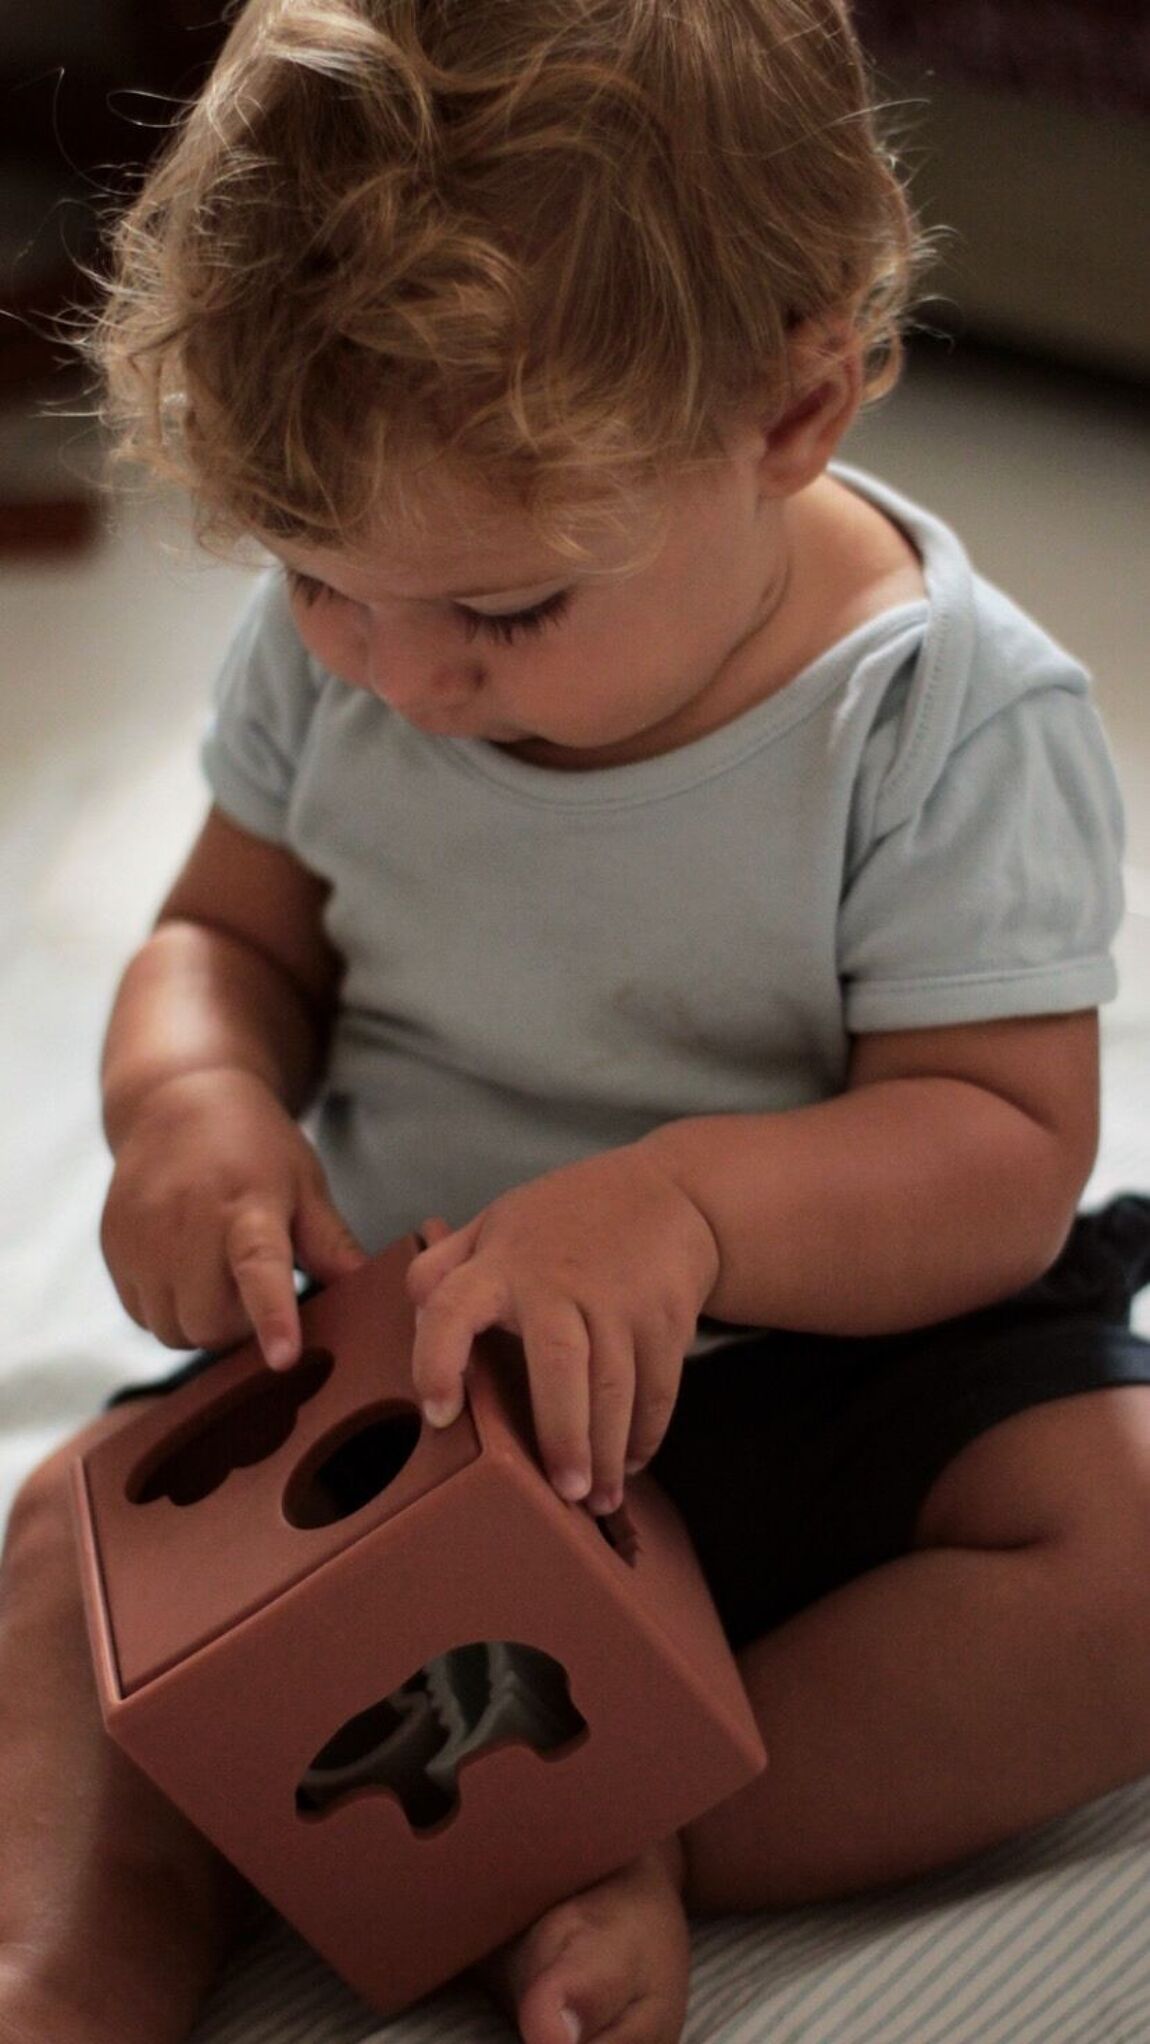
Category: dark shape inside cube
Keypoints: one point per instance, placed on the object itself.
(413, 1742)
(249, 1423)
(352, 1464)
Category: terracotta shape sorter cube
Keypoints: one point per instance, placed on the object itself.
(410, 1693)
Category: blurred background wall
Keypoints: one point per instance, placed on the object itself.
(85, 88)
(1028, 126)
(1027, 123)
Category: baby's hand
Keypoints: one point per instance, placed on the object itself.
(215, 1195)
(602, 1269)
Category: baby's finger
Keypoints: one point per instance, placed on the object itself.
(435, 1230)
(460, 1308)
(324, 1243)
(130, 1299)
(447, 1248)
(160, 1315)
(612, 1400)
(658, 1375)
(557, 1345)
(210, 1310)
(258, 1247)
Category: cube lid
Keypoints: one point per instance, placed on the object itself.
(226, 1491)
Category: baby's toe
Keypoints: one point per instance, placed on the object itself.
(599, 2005)
(610, 1966)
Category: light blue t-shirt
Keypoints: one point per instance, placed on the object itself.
(923, 827)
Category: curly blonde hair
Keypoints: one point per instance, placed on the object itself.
(560, 244)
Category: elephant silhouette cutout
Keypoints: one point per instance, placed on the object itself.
(245, 1427)
(414, 1741)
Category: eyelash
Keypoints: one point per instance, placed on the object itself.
(551, 612)
(505, 629)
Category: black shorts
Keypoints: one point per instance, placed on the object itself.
(801, 1460)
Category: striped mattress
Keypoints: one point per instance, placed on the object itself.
(1037, 1941)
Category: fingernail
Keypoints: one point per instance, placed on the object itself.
(632, 1468)
(279, 1352)
(571, 1485)
(441, 1412)
(572, 2025)
(603, 1502)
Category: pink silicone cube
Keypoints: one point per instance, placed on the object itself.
(413, 1696)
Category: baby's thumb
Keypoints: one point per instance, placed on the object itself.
(324, 1245)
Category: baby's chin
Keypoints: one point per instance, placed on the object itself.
(586, 758)
(545, 753)
(447, 725)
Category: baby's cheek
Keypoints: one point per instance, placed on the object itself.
(331, 637)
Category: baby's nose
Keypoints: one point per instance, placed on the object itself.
(447, 688)
(416, 668)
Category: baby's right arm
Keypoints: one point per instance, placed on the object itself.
(215, 1043)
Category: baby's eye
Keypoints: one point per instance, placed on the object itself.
(512, 623)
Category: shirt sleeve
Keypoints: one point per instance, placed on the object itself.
(265, 698)
(1000, 892)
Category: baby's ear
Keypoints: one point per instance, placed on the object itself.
(826, 379)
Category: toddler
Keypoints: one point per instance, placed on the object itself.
(660, 868)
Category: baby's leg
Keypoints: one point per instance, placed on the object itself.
(114, 1912)
(996, 1677)
(993, 1678)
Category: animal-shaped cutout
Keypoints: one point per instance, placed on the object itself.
(414, 1741)
(620, 1532)
(244, 1427)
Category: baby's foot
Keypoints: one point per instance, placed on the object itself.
(614, 1960)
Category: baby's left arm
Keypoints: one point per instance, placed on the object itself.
(944, 1177)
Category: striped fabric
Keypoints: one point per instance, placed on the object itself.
(1042, 1940)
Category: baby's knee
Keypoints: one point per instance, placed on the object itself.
(1103, 1579)
(1073, 1472)
(41, 1514)
(1066, 1483)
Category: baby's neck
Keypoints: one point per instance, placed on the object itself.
(844, 563)
(734, 689)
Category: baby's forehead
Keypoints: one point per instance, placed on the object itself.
(489, 554)
(444, 539)
(377, 568)
(456, 537)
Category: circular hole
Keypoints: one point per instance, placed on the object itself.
(352, 1465)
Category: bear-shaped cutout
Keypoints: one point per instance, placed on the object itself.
(245, 1426)
(414, 1741)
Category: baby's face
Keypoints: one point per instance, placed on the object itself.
(486, 635)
